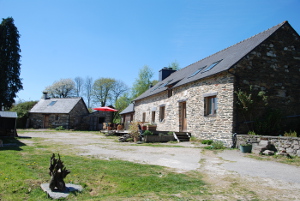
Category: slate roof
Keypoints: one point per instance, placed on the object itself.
(227, 57)
(55, 105)
(7, 114)
(128, 109)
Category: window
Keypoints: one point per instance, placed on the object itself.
(161, 113)
(210, 105)
(144, 117)
(211, 66)
(153, 116)
(170, 92)
(52, 103)
(196, 72)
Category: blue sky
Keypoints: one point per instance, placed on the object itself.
(115, 38)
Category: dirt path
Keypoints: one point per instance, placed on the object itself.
(231, 175)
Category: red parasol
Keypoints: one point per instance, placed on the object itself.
(106, 109)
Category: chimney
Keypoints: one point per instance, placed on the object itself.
(45, 96)
(165, 72)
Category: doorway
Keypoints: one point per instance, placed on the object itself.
(182, 116)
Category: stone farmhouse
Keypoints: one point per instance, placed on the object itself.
(201, 98)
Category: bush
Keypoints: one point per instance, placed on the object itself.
(290, 134)
(59, 128)
(147, 132)
(216, 145)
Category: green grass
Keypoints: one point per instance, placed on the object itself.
(293, 160)
(24, 168)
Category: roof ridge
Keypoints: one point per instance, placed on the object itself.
(278, 25)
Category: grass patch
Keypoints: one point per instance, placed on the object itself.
(292, 160)
(24, 168)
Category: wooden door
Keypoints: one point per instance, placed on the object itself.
(46, 121)
(183, 116)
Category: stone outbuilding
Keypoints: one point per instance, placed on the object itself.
(8, 122)
(55, 112)
(201, 98)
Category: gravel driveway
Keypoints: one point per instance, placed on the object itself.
(265, 178)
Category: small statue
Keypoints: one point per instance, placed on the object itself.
(57, 172)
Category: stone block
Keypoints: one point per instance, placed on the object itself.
(268, 152)
(59, 194)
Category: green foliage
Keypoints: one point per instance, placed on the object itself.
(59, 128)
(269, 123)
(174, 65)
(208, 142)
(290, 134)
(143, 82)
(251, 133)
(22, 110)
(216, 145)
(10, 82)
(147, 132)
(22, 172)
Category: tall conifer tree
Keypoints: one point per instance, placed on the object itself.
(10, 82)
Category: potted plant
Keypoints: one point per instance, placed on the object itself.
(246, 148)
(134, 130)
(120, 127)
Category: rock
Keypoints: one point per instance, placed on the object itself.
(268, 152)
(58, 194)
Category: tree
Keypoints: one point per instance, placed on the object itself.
(122, 102)
(102, 89)
(10, 82)
(78, 85)
(22, 110)
(118, 89)
(88, 88)
(143, 82)
(61, 89)
(174, 65)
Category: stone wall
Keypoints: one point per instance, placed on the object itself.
(68, 121)
(205, 127)
(272, 67)
(290, 145)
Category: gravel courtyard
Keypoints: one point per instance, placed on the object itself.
(229, 173)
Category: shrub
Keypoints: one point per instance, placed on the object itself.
(60, 128)
(216, 145)
(147, 132)
(290, 134)
(251, 133)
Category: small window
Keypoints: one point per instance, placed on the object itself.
(196, 72)
(153, 116)
(144, 117)
(211, 66)
(170, 92)
(210, 105)
(56, 117)
(162, 113)
(52, 103)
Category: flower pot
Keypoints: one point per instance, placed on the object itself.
(246, 148)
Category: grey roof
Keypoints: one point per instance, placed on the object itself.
(129, 109)
(227, 57)
(55, 105)
(7, 114)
